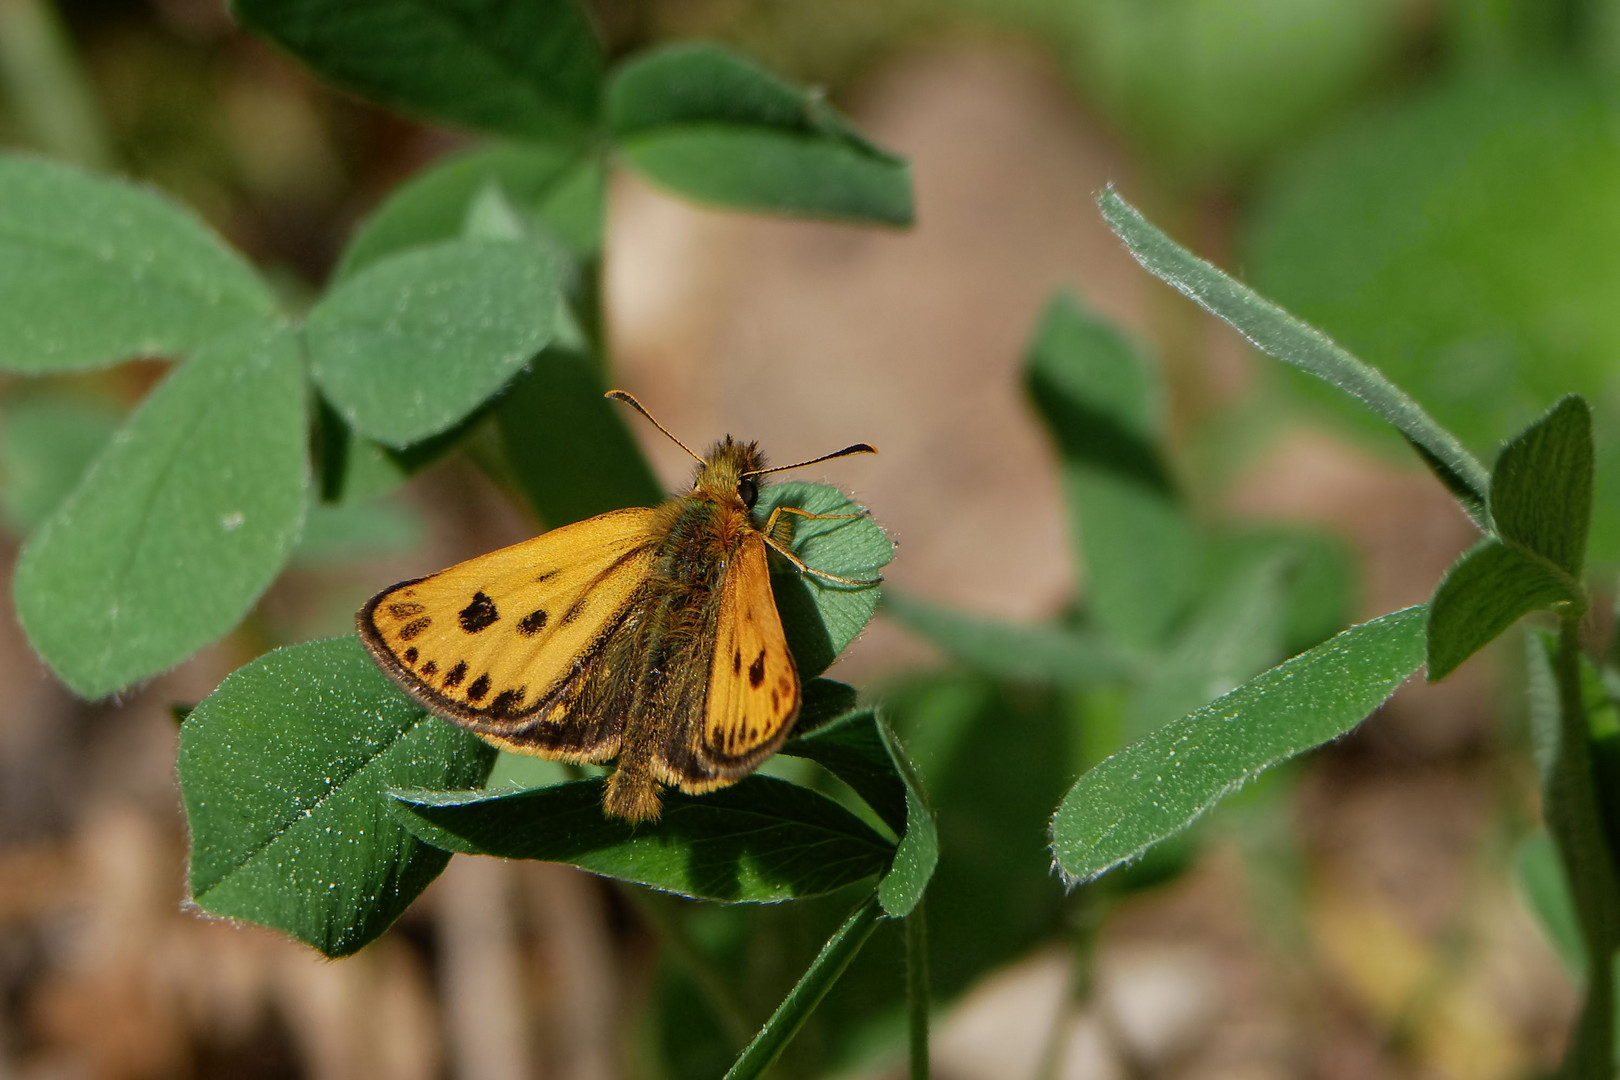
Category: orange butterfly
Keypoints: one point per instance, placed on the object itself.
(649, 635)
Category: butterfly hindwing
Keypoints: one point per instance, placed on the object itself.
(498, 643)
(753, 695)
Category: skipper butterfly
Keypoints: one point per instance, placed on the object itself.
(647, 635)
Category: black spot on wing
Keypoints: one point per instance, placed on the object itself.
(736, 662)
(430, 668)
(756, 670)
(479, 687)
(404, 609)
(414, 627)
(532, 623)
(454, 676)
(547, 576)
(411, 654)
(480, 614)
(506, 702)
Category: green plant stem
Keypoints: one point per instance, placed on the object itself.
(917, 989)
(807, 993)
(1573, 817)
(47, 89)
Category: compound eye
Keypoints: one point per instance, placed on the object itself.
(748, 492)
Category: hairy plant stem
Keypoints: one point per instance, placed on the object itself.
(1574, 819)
(917, 990)
(807, 993)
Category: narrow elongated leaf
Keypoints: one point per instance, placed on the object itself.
(1275, 332)
(1101, 403)
(1037, 653)
(714, 126)
(806, 994)
(158, 282)
(526, 68)
(570, 450)
(822, 617)
(46, 444)
(1155, 788)
(419, 340)
(181, 522)
(1541, 488)
(1486, 591)
(284, 771)
(432, 206)
(759, 841)
(1541, 879)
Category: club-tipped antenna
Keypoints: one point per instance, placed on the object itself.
(858, 448)
(630, 400)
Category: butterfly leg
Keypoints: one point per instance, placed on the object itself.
(779, 534)
(779, 529)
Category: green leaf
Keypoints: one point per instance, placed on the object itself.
(1236, 633)
(760, 840)
(1541, 880)
(822, 617)
(531, 69)
(1541, 504)
(416, 342)
(711, 125)
(570, 449)
(183, 520)
(1541, 487)
(1157, 787)
(852, 749)
(822, 702)
(1275, 332)
(1035, 653)
(46, 444)
(1100, 402)
(1486, 591)
(432, 206)
(902, 888)
(1323, 580)
(93, 271)
(359, 530)
(353, 469)
(861, 750)
(806, 994)
(284, 771)
(1205, 89)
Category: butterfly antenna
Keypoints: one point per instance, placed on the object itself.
(629, 399)
(858, 448)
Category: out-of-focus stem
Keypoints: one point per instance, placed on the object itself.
(45, 86)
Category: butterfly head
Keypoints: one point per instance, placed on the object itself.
(731, 472)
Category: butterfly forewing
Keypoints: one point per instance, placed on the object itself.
(753, 686)
(497, 641)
